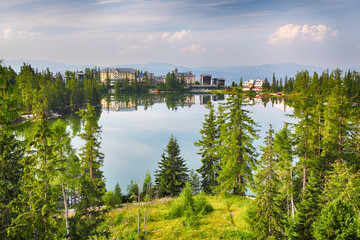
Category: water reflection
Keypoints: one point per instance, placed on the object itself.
(131, 102)
(173, 101)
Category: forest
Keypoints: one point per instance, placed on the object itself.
(304, 178)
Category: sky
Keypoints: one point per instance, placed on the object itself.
(323, 33)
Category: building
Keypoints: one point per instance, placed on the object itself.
(205, 79)
(218, 81)
(117, 74)
(253, 84)
(188, 77)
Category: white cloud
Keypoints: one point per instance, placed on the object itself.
(290, 32)
(217, 50)
(149, 38)
(135, 48)
(165, 35)
(28, 35)
(179, 35)
(21, 34)
(7, 33)
(107, 2)
(193, 48)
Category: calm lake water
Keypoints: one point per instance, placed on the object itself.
(136, 130)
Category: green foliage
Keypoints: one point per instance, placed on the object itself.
(35, 206)
(133, 190)
(89, 213)
(172, 173)
(266, 216)
(110, 200)
(238, 155)
(188, 206)
(337, 220)
(148, 188)
(307, 210)
(118, 194)
(208, 150)
(194, 181)
(11, 172)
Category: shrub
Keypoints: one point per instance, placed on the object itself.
(337, 221)
(202, 206)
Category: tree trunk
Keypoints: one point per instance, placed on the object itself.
(66, 210)
(291, 193)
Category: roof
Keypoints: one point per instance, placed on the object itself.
(121, 70)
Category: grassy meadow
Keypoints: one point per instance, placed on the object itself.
(226, 221)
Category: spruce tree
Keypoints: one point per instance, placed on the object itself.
(337, 125)
(68, 165)
(11, 172)
(307, 210)
(238, 155)
(208, 150)
(172, 173)
(266, 215)
(89, 213)
(36, 207)
(147, 189)
(337, 221)
(283, 148)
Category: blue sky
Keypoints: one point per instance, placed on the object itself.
(324, 33)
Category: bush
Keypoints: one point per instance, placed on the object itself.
(189, 207)
(110, 199)
(202, 206)
(337, 221)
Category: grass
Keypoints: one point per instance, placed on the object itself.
(227, 221)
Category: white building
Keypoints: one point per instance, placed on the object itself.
(253, 84)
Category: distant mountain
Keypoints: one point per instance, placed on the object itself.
(230, 73)
(43, 65)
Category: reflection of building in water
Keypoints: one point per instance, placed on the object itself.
(189, 100)
(280, 104)
(113, 105)
(204, 98)
(255, 100)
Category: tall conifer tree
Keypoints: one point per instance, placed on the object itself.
(208, 150)
(266, 215)
(238, 155)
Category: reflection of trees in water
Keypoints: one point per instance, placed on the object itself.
(130, 102)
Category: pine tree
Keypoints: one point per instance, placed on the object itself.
(118, 194)
(38, 217)
(208, 150)
(337, 220)
(91, 157)
(283, 148)
(172, 173)
(238, 155)
(266, 216)
(11, 172)
(194, 181)
(147, 189)
(337, 125)
(304, 127)
(89, 213)
(67, 164)
(307, 210)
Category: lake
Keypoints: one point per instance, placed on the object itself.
(136, 130)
